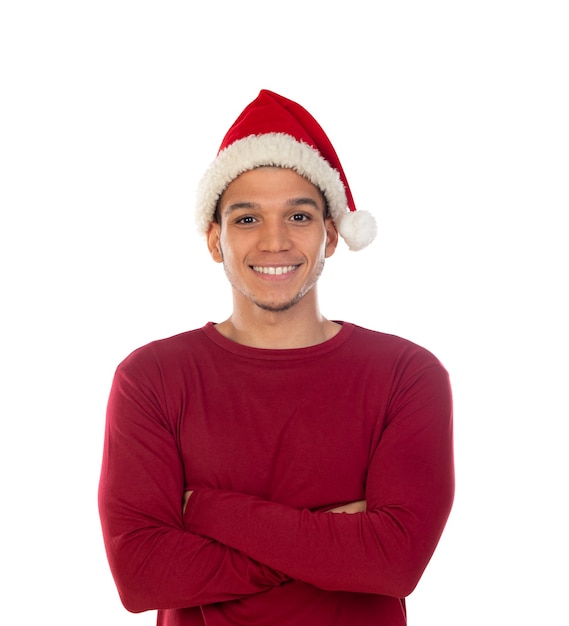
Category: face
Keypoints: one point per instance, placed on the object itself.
(273, 237)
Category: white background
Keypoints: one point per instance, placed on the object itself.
(451, 121)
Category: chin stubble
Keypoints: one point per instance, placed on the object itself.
(276, 308)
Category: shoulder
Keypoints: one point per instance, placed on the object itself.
(388, 346)
(407, 368)
(164, 353)
(393, 359)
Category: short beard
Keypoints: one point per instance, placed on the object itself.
(278, 308)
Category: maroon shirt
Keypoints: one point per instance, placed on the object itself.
(269, 440)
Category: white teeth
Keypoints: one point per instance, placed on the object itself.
(285, 269)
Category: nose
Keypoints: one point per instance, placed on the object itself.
(274, 236)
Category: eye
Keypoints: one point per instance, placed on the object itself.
(246, 219)
(301, 217)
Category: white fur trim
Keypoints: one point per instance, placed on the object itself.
(281, 150)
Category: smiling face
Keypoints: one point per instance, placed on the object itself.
(273, 238)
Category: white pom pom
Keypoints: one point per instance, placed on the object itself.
(358, 228)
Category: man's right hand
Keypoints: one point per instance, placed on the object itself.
(351, 507)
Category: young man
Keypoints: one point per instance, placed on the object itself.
(277, 467)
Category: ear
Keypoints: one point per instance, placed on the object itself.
(213, 242)
(331, 237)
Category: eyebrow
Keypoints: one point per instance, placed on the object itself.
(292, 202)
(241, 205)
(300, 201)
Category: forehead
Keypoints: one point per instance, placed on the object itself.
(270, 184)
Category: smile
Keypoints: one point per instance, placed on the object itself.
(282, 269)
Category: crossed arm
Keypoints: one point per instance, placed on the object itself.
(352, 507)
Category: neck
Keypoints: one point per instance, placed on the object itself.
(298, 327)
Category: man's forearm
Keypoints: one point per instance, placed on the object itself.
(359, 506)
(382, 551)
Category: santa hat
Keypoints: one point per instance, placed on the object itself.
(275, 131)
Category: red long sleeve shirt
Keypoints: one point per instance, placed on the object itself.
(270, 440)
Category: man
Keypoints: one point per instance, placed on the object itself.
(277, 467)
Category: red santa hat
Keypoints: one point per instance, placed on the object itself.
(275, 131)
